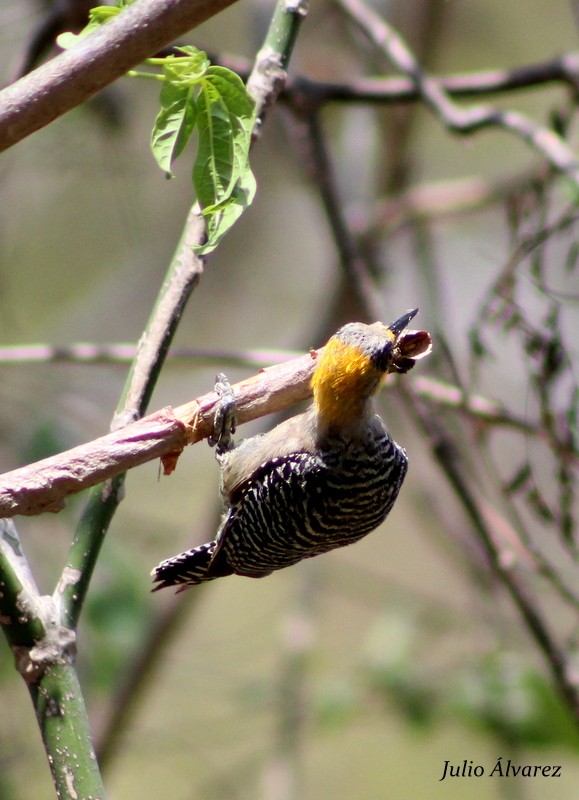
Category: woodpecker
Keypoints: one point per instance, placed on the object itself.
(320, 480)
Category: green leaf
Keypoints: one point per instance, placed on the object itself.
(220, 219)
(176, 119)
(213, 168)
(174, 124)
(222, 177)
(214, 102)
(189, 68)
(97, 16)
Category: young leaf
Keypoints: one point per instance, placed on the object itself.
(223, 180)
(174, 124)
(97, 16)
(214, 102)
(220, 219)
(213, 170)
(176, 119)
(188, 68)
(239, 103)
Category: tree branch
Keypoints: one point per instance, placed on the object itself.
(361, 280)
(493, 413)
(123, 352)
(308, 95)
(43, 486)
(448, 458)
(44, 652)
(458, 120)
(311, 94)
(107, 54)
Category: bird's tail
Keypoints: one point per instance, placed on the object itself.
(187, 569)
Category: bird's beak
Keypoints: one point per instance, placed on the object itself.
(398, 326)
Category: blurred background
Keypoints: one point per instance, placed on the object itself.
(358, 674)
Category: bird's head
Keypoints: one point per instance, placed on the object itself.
(354, 362)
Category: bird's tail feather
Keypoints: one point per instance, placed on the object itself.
(187, 569)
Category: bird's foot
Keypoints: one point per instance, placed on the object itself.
(224, 420)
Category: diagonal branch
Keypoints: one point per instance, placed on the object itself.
(355, 265)
(448, 458)
(107, 54)
(458, 120)
(43, 486)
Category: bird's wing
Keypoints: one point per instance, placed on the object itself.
(245, 462)
(289, 481)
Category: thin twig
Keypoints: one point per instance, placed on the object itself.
(310, 95)
(433, 200)
(123, 352)
(458, 120)
(488, 411)
(352, 260)
(269, 74)
(448, 459)
(521, 538)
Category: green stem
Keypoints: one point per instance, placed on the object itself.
(284, 28)
(43, 650)
(85, 548)
(269, 76)
(137, 73)
(182, 276)
(63, 722)
(160, 62)
(21, 609)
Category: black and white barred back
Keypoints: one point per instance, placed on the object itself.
(297, 506)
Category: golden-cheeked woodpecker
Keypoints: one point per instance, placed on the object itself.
(320, 480)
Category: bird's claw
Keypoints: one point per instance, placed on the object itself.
(224, 420)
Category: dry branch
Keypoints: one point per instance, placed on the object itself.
(42, 486)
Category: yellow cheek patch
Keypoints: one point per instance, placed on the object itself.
(342, 381)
